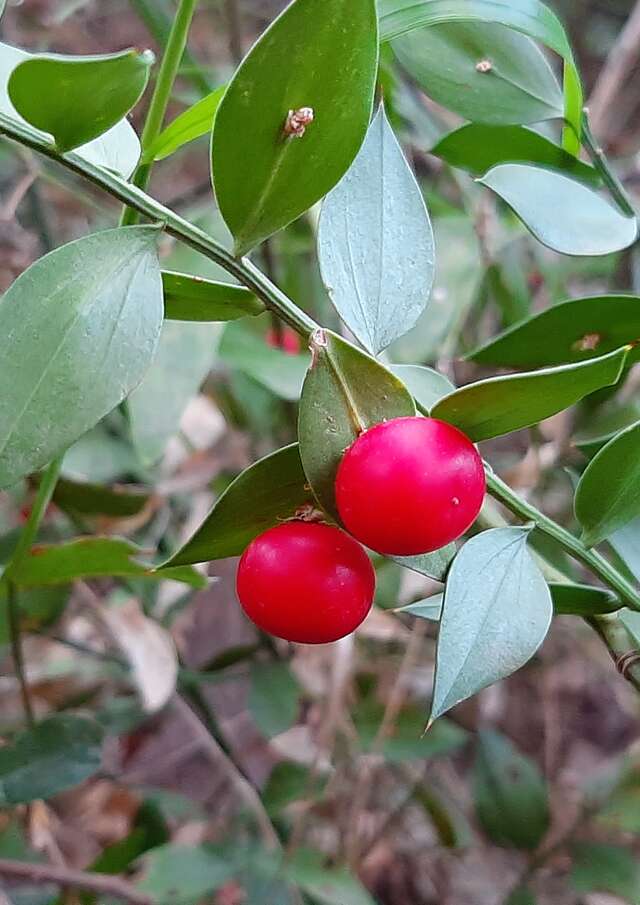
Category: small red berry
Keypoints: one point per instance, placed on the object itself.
(410, 486)
(288, 341)
(306, 582)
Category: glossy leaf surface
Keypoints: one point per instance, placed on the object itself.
(58, 753)
(570, 331)
(478, 147)
(425, 385)
(263, 495)
(511, 797)
(499, 405)
(192, 298)
(375, 242)
(530, 17)
(331, 54)
(516, 85)
(608, 494)
(496, 613)
(76, 99)
(189, 125)
(117, 149)
(84, 321)
(344, 392)
(546, 201)
(93, 557)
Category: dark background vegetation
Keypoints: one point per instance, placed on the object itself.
(409, 823)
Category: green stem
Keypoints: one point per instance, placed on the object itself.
(13, 613)
(27, 537)
(589, 558)
(176, 43)
(603, 167)
(175, 225)
(158, 22)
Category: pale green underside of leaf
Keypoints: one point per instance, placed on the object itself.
(496, 613)
(546, 201)
(376, 216)
(84, 323)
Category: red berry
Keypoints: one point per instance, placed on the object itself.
(288, 340)
(410, 486)
(306, 582)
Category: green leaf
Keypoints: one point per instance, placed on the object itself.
(75, 99)
(605, 868)
(582, 600)
(38, 608)
(520, 896)
(568, 599)
(447, 61)
(496, 614)
(570, 331)
(499, 405)
(344, 392)
(117, 149)
(149, 830)
(511, 797)
(477, 147)
(434, 565)
(331, 54)
(273, 697)
(430, 608)
(406, 742)
(608, 494)
(192, 298)
(626, 542)
(58, 753)
(183, 875)
(243, 348)
(425, 385)
(185, 355)
(326, 885)
(287, 783)
(262, 496)
(191, 124)
(99, 456)
(98, 500)
(93, 557)
(376, 214)
(530, 17)
(546, 201)
(604, 423)
(84, 323)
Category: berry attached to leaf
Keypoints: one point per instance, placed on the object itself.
(306, 582)
(410, 486)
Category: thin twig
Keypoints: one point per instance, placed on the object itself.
(622, 58)
(243, 787)
(105, 884)
(366, 775)
(13, 613)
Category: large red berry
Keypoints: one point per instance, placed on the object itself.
(410, 486)
(306, 582)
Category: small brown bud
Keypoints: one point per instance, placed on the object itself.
(297, 121)
(484, 66)
(587, 343)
